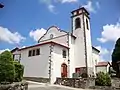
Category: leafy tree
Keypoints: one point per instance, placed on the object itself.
(7, 69)
(116, 57)
(103, 79)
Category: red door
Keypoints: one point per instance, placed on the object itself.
(63, 70)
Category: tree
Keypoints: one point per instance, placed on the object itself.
(7, 69)
(116, 57)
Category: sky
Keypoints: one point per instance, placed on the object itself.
(23, 22)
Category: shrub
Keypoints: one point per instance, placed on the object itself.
(84, 75)
(19, 69)
(103, 79)
(7, 69)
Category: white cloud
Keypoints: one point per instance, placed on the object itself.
(4, 50)
(37, 34)
(51, 8)
(110, 33)
(9, 37)
(103, 52)
(68, 1)
(89, 7)
(49, 5)
(98, 4)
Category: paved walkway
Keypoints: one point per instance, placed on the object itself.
(42, 86)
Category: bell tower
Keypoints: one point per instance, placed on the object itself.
(83, 48)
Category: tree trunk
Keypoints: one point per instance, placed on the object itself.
(118, 74)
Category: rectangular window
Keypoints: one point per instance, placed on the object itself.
(87, 24)
(33, 53)
(37, 51)
(64, 53)
(30, 53)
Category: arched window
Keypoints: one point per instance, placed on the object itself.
(77, 23)
(87, 24)
(51, 36)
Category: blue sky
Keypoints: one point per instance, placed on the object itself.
(22, 22)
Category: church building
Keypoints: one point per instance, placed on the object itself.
(59, 53)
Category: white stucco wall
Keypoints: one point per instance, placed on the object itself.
(79, 46)
(57, 61)
(58, 36)
(104, 69)
(88, 46)
(95, 59)
(17, 55)
(72, 55)
(36, 66)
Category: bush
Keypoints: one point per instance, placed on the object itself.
(19, 69)
(84, 75)
(7, 69)
(103, 79)
(10, 70)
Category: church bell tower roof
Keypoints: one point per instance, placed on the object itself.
(79, 11)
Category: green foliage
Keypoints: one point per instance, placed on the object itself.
(84, 75)
(116, 56)
(103, 79)
(19, 69)
(7, 69)
(10, 70)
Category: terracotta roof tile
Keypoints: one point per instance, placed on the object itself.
(102, 64)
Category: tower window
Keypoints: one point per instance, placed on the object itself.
(77, 23)
(64, 53)
(87, 24)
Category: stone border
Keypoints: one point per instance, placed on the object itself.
(76, 82)
(15, 86)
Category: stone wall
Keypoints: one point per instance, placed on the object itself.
(115, 82)
(103, 88)
(76, 82)
(37, 79)
(15, 86)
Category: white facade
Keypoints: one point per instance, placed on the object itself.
(95, 59)
(104, 69)
(77, 46)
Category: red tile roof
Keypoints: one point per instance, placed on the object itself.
(102, 64)
(51, 42)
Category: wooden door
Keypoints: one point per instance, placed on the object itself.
(63, 70)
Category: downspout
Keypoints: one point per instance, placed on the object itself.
(85, 45)
(68, 56)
